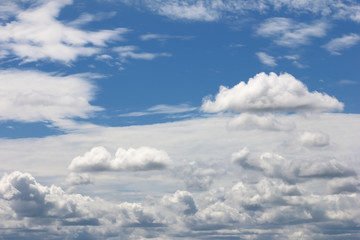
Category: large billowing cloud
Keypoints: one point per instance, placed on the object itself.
(270, 93)
(30, 96)
(37, 34)
(140, 159)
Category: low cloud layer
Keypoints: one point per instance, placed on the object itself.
(270, 93)
(266, 122)
(140, 159)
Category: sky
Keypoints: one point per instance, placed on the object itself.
(188, 119)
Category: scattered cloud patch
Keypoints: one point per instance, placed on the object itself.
(130, 51)
(266, 59)
(37, 34)
(270, 93)
(33, 96)
(163, 37)
(347, 82)
(336, 45)
(289, 33)
(140, 159)
(215, 10)
(161, 109)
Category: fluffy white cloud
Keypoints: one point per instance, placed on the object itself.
(338, 44)
(265, 122)
(314, 139)
(270, 93)
(266, 59)
(140, 159)
(36, 34)
(287, 32)
(31, 96)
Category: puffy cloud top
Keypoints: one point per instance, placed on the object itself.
(270, 93)
(140, 159)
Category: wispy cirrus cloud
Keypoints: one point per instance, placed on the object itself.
(161, 109)
(289, 33)
(132, 52)
(266, 59)
(214, 10)
(163, 37)
(336, 45)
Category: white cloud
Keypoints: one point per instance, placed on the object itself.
(266, 59)
(240, 156)
(277, 192)
(276, 166)
(126, 52)
(314, 139)
(270, 93)
(252, 121)
(289, 33)
(161, 109)
(338, 44)
(214, 10)
(36, 34)
(31, 96)
(163, 37)
(140, 159)
(183, 10)
(79, 179)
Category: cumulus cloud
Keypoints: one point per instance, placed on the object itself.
(287, 32)
(265, 122)
(140, 159)
(270, 93)
(37, 34)
(266, 59)
(44, 206)
(314, 139)
(336, 45)
(276, 166)
(30, 96)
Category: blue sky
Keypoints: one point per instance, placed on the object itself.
(152, 106)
